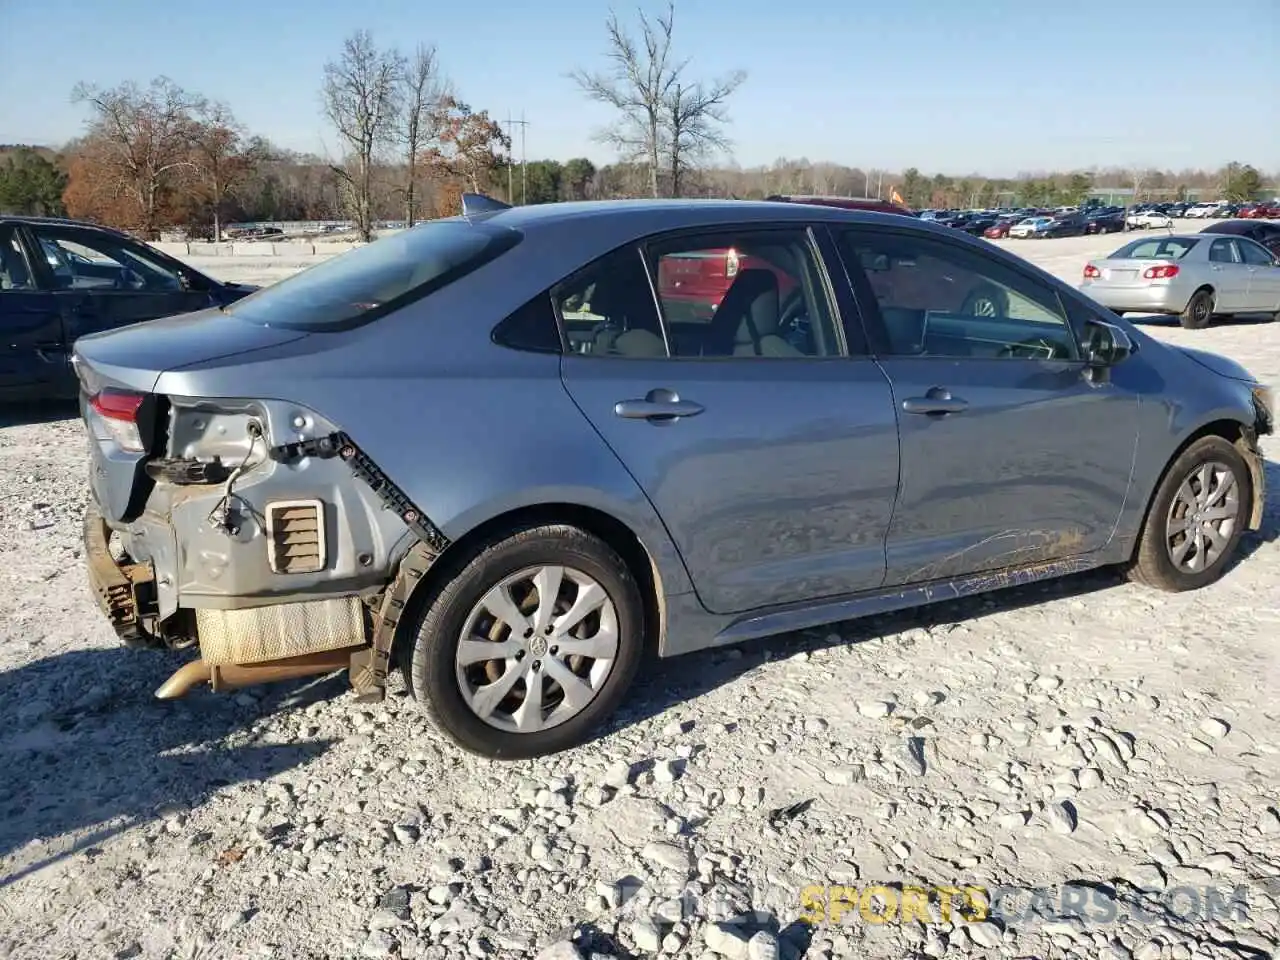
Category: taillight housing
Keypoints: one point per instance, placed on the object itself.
(116, 412)
(1162, 272)
(1091, 272)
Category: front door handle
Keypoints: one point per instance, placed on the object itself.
(660, 405)
(937, 401)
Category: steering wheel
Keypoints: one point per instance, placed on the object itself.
(986, 300)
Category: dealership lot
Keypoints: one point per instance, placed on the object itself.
(1085, 730)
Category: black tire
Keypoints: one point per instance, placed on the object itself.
(1152, 565)
(1199, 310)
(429, 663)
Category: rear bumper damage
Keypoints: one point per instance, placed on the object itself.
(263, 604)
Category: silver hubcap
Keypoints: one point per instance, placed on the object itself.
(536, 649)
(982, 307)
(1202, 517)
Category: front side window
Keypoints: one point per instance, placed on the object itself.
(376, 279)
(88, 260)
(938, 299)
(1255, 255)
(746, 294)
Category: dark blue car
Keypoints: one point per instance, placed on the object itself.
(61, 279)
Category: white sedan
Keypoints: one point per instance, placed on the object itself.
(1148, 219)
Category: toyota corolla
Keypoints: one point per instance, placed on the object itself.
(488, 452)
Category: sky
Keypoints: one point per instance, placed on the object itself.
(997, 87)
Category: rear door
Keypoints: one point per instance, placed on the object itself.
(1009, 455)
(33, 357)
(103, 281)
(770, 453)
(1264, 276)
(1229, 275)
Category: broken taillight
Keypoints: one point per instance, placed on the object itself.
(116, 411)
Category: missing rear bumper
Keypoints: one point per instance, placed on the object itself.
(126, 592)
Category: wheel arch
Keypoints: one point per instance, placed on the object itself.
(617, 534)
(1235, 431)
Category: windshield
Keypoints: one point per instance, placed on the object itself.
(372, 281)
(1167, 249)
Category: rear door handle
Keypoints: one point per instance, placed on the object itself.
(937, 401)
(659, 405)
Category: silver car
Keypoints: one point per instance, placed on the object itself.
(503, 453)
(1194, 277)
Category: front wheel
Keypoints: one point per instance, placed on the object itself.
(530, 645)
(1196, 519)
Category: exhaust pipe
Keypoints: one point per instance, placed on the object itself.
(231, 676)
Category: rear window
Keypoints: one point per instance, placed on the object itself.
(1167, 249)
(372, 281)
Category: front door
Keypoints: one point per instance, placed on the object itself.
(103, 281)
(1010, 456)
(770, 455)
(33, 357)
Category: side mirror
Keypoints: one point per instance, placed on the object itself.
(1105, 344)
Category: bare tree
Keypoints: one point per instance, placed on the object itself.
(361, 90)
(147, 135)
(638, 84)
(693, 117)
(222, 156)
(424, 94)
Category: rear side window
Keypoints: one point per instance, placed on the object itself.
(1154, 250)
(365, 284)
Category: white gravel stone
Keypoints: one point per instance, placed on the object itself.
(1214, 727)
(668, 856)
(875, 709)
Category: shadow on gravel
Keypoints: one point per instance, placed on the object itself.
(1236, 320)
(667, 683)
(20, 414)
(85, 746)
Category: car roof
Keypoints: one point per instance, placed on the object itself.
(653, 216)
(57, 222)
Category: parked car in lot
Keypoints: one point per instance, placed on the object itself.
(1195, 277)
(1065, 225)
(1109, 222)
(1147, 219)
(1000, 229)
(1259, 231)
(62, 279)
(697, 281)
(588, 475)
(1202, 210)
(1030, 227)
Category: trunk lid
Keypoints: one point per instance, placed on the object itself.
(1127, 272)
(136, 355)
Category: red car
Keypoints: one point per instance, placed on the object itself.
(1260, 211)
(692, 284)
(1000, 229)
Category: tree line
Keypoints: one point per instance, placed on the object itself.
(161, 157)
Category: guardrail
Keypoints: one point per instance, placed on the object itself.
(285, 248)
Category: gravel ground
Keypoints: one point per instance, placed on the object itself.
(1085, 732)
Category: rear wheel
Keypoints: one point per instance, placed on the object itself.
(1199, 310)
(1196, 519)
(531, 645)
